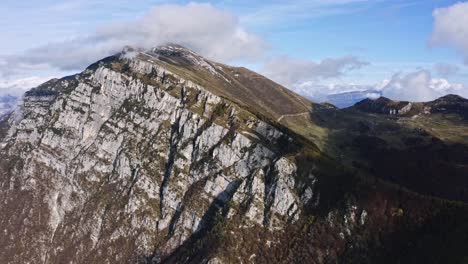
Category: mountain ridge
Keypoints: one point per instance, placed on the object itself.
(146, 159)
(383, 105)
(244, 89)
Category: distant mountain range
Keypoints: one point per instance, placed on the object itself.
(348, 99)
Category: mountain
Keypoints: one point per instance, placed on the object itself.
(384, 105)
(421, 146)
(162, 156)
(449, 104)
(348, 99)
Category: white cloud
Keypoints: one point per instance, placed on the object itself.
(294, 73)
(416, 86)
(451, 27)
(319, 92)
(219, 35)
(420, 86)
(209, 31)
(310, 78)
(17, 87)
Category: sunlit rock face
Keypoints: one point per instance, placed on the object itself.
(129, 159)
(162, 156)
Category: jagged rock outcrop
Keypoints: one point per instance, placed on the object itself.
(129, 155)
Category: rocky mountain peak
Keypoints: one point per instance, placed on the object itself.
(237, 84)
(142, 150)
(174, 50)
(162, 156)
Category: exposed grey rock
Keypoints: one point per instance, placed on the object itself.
(109, 158)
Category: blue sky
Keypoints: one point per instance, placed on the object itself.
(387, 39)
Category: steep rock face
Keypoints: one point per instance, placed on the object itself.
(113, 164)
(162, 156)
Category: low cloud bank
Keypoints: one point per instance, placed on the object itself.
(414, 86)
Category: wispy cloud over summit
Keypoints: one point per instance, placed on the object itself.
(212, 32)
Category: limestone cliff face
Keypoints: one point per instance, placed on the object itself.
(129, 159)
(162, 156)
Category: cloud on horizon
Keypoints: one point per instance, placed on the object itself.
(420, 86)
(292, 72)
(207, 30)
(18, 86)
(417, 86)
